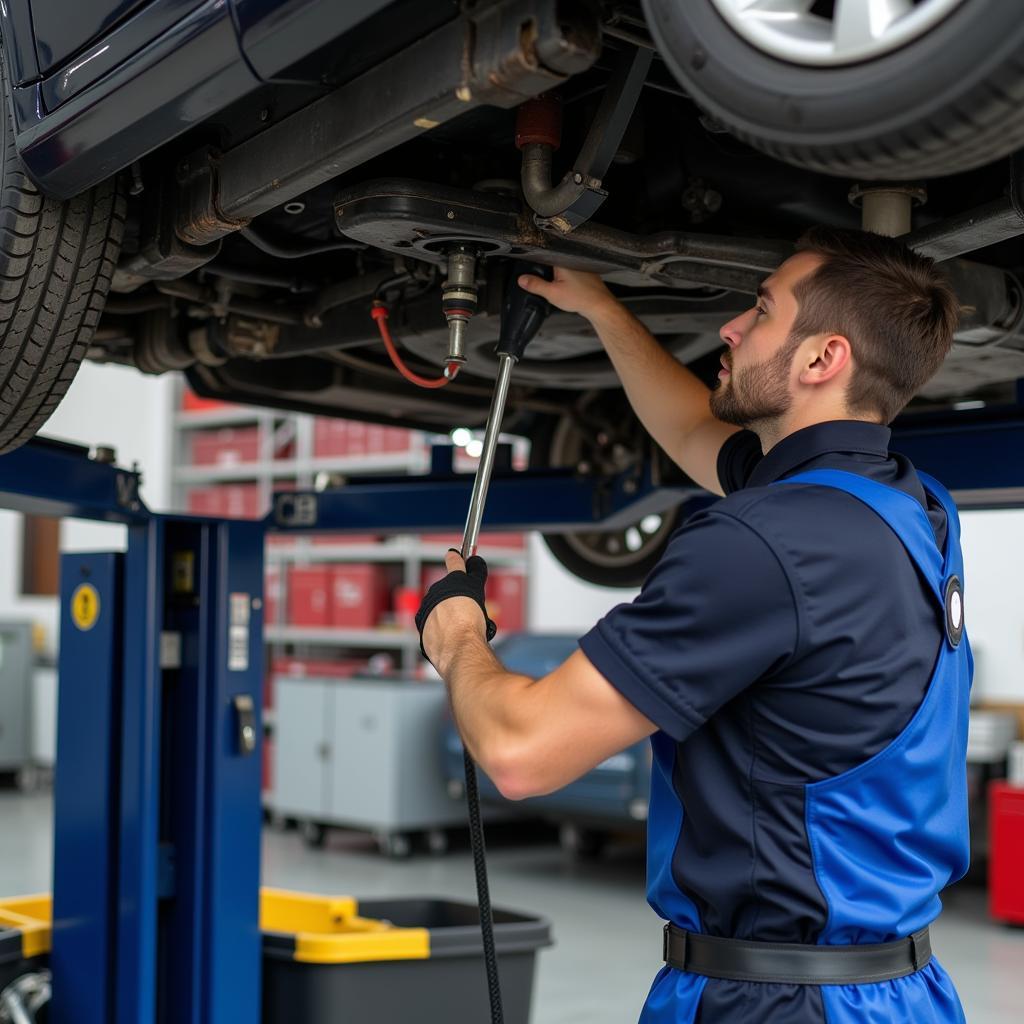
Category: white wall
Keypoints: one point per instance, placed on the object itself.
(561, 603)
(105, 405)
(993, 544)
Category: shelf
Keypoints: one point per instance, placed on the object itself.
(380, 639)
(376, 462)
(387, 551)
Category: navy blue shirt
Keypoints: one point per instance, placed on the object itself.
(784, 637)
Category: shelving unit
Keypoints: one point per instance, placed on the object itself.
(280, 452)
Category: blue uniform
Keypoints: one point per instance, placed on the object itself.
(809, 773)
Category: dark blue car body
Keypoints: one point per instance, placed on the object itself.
(97, 84)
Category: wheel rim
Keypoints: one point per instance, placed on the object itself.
(827, 33)
(609, 549)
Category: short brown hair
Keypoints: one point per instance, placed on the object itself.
(895, 308)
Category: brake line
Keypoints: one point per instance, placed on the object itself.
(379, 312)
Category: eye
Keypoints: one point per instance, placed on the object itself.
(761, 311)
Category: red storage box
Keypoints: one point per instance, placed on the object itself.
(359, 595)
(330, 437)
(240, 501)
(505, 593)
(205, 501)
(227, 446)
(309, 595)
(345, 538)
(1006, 852)
(501, 540)
(234, 501)
(443, 540)
(398, 439)
(316, 668)
(430, 574)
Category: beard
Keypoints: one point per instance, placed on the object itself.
(757, 394)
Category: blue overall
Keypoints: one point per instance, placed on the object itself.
(885, 836)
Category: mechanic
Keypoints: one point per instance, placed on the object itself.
(797, 655)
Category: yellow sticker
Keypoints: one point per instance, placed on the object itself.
(184, 572)
(85, 606)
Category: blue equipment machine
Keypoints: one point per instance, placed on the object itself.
(157, 803)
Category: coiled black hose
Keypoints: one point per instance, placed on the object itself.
(483, 893)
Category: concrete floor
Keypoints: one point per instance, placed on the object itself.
(607, 940)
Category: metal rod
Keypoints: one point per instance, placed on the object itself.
(483, 471)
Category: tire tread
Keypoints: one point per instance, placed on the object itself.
(57, 261)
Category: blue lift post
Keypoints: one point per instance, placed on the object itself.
(157, 805)
(157, 790)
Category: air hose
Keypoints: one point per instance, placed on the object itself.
(379, 312)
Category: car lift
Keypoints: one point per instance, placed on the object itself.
(157, 790)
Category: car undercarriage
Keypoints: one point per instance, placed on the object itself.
(683, 222)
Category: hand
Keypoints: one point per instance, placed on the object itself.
(454, 607)
(573, 291)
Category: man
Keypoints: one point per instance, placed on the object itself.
(796, 656)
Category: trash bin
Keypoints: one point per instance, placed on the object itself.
(24, 936)
(339, 961)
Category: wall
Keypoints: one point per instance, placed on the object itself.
(561, 603)
(993, 610)
(105, 405)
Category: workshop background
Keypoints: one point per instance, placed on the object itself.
(361, 791)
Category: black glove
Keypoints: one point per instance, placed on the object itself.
(457, 584)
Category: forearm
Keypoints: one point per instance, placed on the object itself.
(488, 701)
(669, 400)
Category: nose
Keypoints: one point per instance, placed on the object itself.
(732, 332)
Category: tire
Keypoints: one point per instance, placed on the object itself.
(395, 845)
(57, 260)
(948, 100)
(600, 557)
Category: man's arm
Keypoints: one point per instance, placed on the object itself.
(667, 398)
(531, 736)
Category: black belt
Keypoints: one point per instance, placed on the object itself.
(792, 963)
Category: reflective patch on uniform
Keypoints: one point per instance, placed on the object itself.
(954, 599)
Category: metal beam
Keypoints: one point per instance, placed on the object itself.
(978, 456)
(976, 228)
(52, 478)
(555, 501)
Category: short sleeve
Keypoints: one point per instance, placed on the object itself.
(714, 616)
(737, 459)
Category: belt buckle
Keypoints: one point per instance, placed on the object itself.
(679, 961)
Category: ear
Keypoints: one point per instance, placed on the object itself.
(828, 356)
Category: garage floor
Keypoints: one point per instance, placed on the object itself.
(607, 940)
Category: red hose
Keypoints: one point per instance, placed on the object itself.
(379, 312)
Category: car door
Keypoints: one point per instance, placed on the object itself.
(62, 29)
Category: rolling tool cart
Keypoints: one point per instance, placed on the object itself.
(16, 702)
(330, 732)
